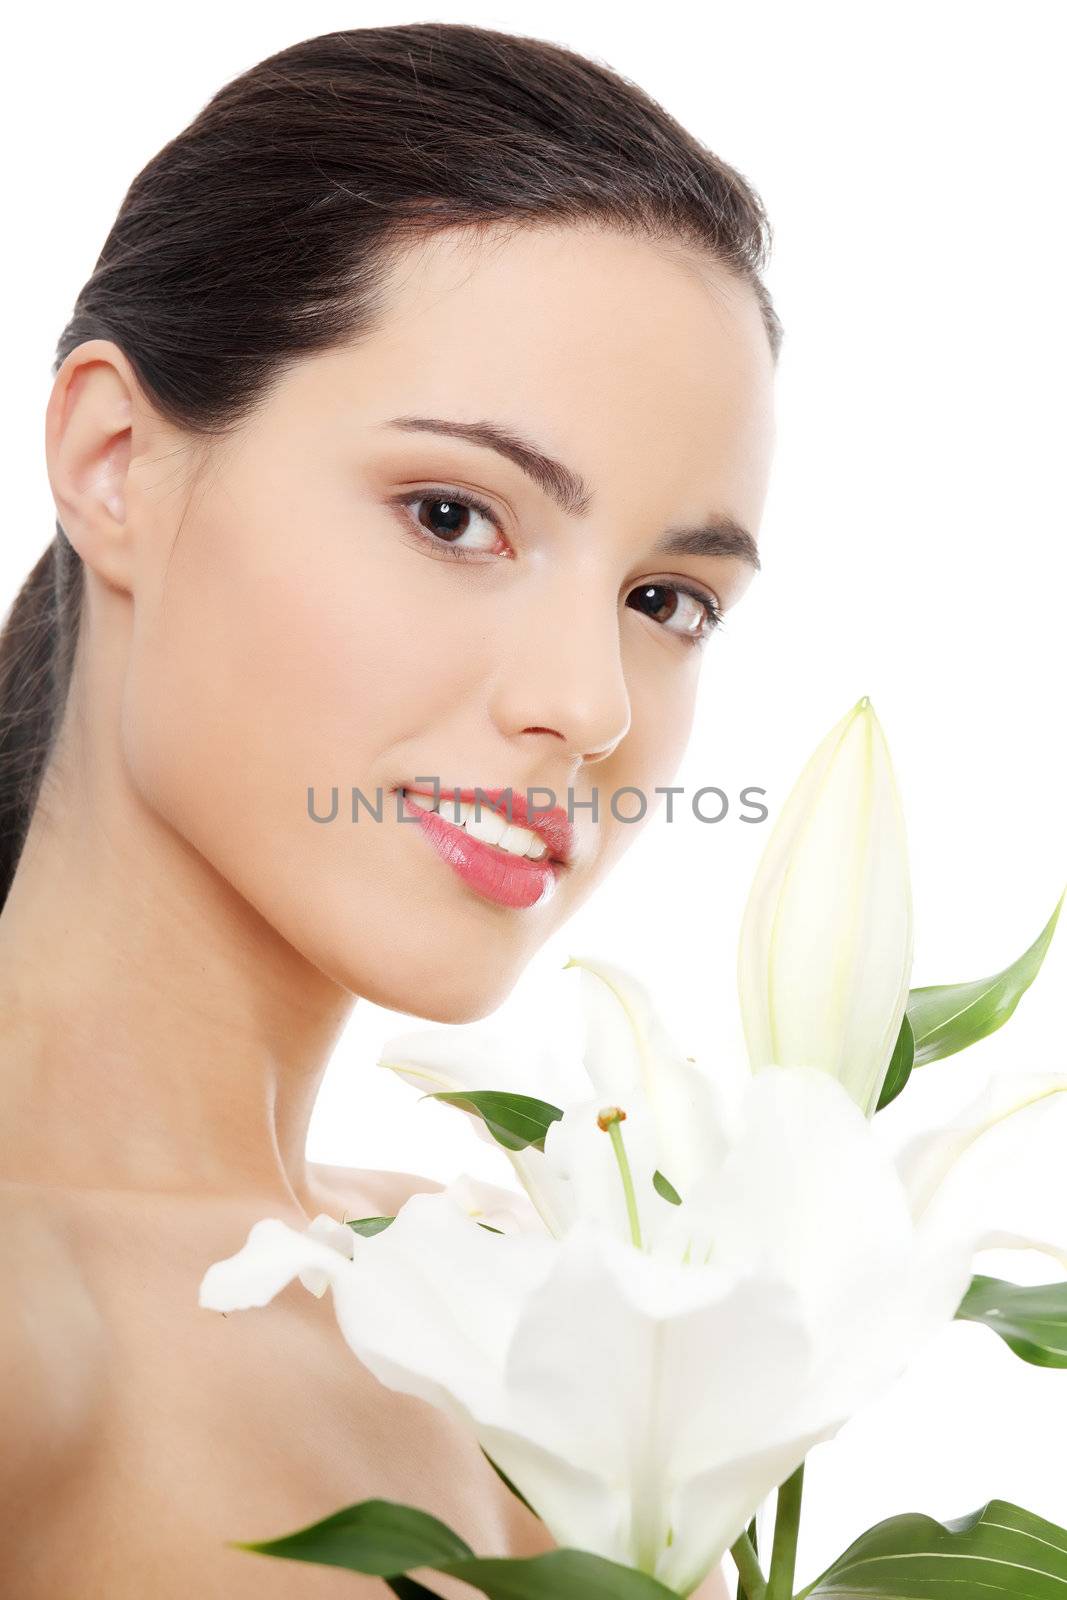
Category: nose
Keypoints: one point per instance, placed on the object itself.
(562, 679)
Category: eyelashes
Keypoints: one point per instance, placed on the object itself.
(455, 502)
(454, 508)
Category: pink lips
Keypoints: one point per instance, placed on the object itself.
(514, 881)
(554, 826)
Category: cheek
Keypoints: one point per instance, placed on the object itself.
(278, 659)
(267, 665)
(663, 695)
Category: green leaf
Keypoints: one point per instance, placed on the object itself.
(516, 1121)
(665, 1188)
(558, 1575)
(947, 1017)
(379, 1537)
(950, 1016)
(384, 1539)
(367, 1227)
(1031, 1319)
(1000, 1553)
(408, 1589)
(900, 1065)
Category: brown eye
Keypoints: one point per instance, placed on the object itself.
(679, 610)
(447, 519)
(453, 520)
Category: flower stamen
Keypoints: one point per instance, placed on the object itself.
(610, 1120)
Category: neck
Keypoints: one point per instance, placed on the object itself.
(156, 1033)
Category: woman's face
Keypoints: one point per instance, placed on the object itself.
(344, 600)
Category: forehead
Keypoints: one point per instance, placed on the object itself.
(622, 354)
(567, 303)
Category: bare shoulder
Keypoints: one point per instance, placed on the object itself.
(363, 1192)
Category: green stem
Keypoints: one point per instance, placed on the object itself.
(786, 1529)
(615, 1135)
(753, 1583)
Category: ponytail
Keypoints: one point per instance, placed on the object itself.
(36, 657)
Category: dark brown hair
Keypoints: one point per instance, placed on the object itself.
(261, 234)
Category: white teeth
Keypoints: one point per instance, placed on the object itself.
(483, 824)
(522, 842)
(489, 827)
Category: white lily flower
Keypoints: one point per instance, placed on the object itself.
(469, 1056)
(487, 1203)
(628, 1058)
(332, 1232)
(646, 1405)
(825, 953)
(494, 1207)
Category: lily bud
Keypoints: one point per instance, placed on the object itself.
(825, 953)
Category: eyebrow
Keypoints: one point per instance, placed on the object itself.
(721, 535)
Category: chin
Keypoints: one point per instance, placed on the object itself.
(437, 992)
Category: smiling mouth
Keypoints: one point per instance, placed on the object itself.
(537, 839)
(514, 867)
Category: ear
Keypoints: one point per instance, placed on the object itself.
(97, 421)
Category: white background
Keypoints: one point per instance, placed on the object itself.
(911, 158)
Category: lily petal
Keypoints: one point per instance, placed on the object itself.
(331, 1232)
(434, 1300)
(995, 1174)
(631, 1059)
(494, 1206)
(451, 1058)
(806, 1190)
(469, 1056)
(681, 1369)
(476, 1056)
(271, 1257)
